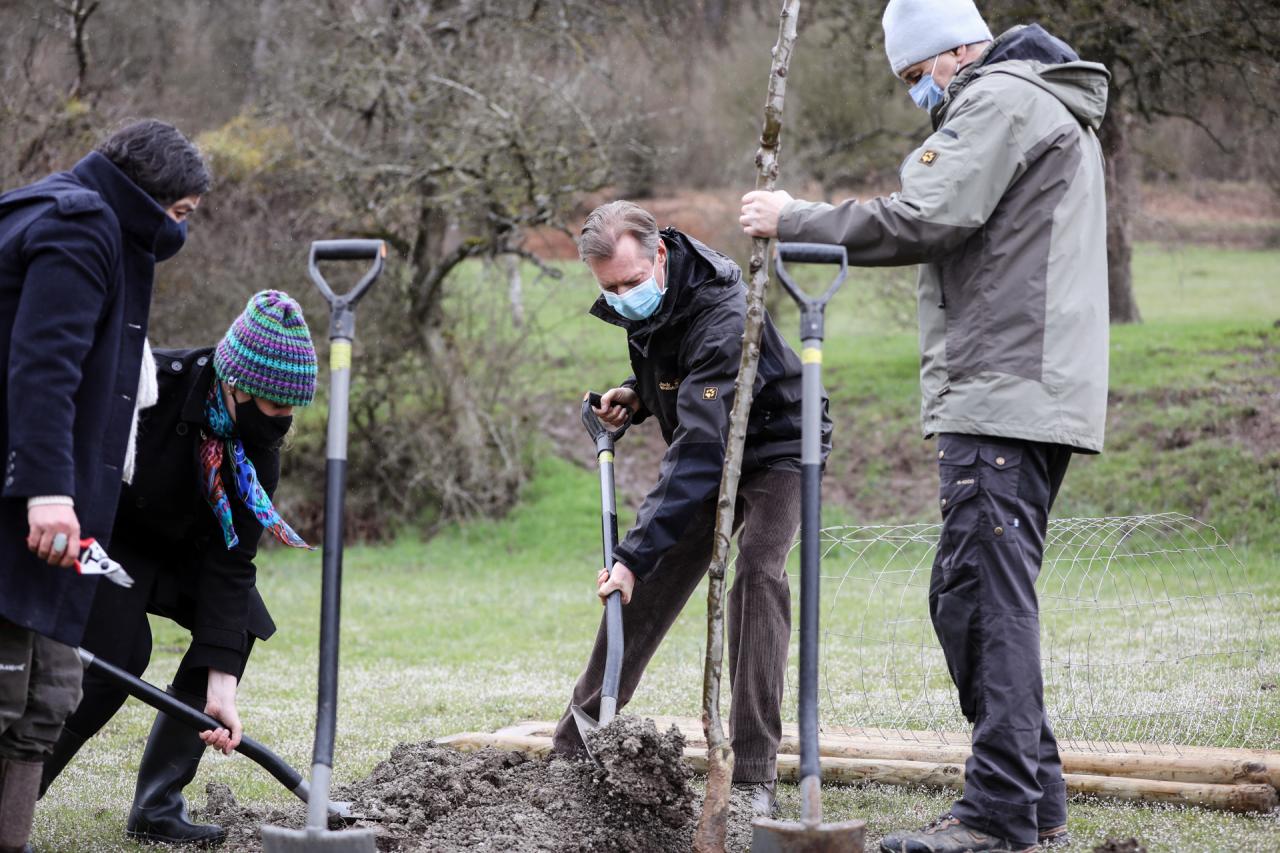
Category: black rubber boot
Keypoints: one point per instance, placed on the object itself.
(169, 763)
(64, 750)
(19, 782)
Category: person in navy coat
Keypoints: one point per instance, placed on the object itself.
(78, 251)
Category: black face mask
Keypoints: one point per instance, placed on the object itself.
(170, 239)
(259, 428)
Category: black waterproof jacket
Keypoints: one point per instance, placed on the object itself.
(167, 535)
(684, 362)
(77, 259)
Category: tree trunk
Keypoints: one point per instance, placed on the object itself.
(712, 825)
(460, 488)
(268, 13)
(1122, 194)
(515, 289)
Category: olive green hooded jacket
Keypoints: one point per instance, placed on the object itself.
(1004, 208)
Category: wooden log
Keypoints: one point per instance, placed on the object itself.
(941, 773)
(531, 745)
(1231, 798)
(1193, 765)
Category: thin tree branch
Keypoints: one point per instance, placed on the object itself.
(712, 826)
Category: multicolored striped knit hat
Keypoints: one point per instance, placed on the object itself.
(267, 352)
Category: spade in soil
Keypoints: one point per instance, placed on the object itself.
(342, 331)
(810, 835)
(604, 440)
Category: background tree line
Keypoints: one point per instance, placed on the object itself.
(456, 128)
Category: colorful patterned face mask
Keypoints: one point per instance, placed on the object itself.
(251, 493)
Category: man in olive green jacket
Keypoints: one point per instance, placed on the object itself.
(1004, 209)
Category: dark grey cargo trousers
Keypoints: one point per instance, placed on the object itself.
(995, 497)
(758, 613)
(39, 688)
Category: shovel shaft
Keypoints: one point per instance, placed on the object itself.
(613, 653)
(810, 555)
(608, 506)
(613, 604)
(256, 752)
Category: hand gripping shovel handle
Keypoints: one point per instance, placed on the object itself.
(256, 752)
(595, 428)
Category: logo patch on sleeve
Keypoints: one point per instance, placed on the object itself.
(710, 392)
(928, 157)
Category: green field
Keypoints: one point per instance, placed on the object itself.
(488, 623)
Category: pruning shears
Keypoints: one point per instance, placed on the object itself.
(94, 561)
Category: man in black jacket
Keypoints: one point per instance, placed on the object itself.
(77, 255)
(683, 307)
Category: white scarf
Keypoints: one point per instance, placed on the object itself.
(148, 396)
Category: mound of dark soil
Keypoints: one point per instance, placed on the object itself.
(430, 798)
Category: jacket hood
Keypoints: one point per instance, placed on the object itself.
(697, 276)
(1047, 61)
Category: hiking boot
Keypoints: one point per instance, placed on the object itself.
(948, 835)
(1055, 837)
(764, 796)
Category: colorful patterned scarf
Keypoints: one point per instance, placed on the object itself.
(248, 488)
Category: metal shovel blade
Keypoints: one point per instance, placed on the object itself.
(785, 836)
(586, 725)
(278, 839)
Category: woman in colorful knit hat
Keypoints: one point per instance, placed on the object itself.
(187, 531)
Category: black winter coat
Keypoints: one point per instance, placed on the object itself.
(77, 258)
(168, 537)
(684, 361)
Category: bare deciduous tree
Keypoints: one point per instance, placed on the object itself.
(450, 129)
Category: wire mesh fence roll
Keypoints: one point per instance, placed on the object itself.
(1149, 637)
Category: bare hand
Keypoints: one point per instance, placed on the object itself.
(761, 210)
(616, 405)
(47, 521)
(220, 703)
(621, 579)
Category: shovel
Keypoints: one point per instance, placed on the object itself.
(604, 439)
(342, 330)
(810, 835)
(257, 752)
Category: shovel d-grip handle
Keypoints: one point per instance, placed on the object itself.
(596, 428)
(342, 321)
(810, 306)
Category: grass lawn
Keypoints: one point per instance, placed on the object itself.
(488, 623)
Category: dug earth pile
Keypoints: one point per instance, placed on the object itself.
(431, 798)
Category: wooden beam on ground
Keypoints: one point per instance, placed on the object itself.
(1192, 765)
(935, 772)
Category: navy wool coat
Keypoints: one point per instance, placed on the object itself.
(77, 260)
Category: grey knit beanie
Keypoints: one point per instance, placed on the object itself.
(920, 29)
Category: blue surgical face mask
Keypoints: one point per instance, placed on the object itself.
(638, 303)
(926, 92)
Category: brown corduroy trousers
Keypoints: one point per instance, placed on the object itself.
(758, 611)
